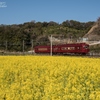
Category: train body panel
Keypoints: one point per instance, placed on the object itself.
(76, 48)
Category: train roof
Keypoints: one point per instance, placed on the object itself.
(68, 44)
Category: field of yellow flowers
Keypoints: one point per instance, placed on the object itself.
(49, 78)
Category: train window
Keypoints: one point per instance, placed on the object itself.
(71, 48)
(68, 48)
(86, 47)
(42, 49)
(55, 48)
(64, 48)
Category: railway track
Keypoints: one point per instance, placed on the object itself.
(21, 53)
(70, 55)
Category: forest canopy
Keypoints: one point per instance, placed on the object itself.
(13, 35)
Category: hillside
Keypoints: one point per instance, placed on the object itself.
(94, 33)
(13, 37)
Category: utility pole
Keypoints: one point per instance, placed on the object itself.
(6, 46)
(32, 46)
(23, 46)
(51, 46)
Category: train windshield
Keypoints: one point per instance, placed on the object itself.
(86, 46)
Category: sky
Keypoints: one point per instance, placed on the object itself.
(21, 11)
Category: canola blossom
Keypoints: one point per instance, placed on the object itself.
(49, 78)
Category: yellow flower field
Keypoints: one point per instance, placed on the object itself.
(49, 78)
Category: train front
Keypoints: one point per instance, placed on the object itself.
(85, 48)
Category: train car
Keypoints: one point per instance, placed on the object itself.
(74, 48)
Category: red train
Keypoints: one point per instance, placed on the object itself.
(75, 48)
